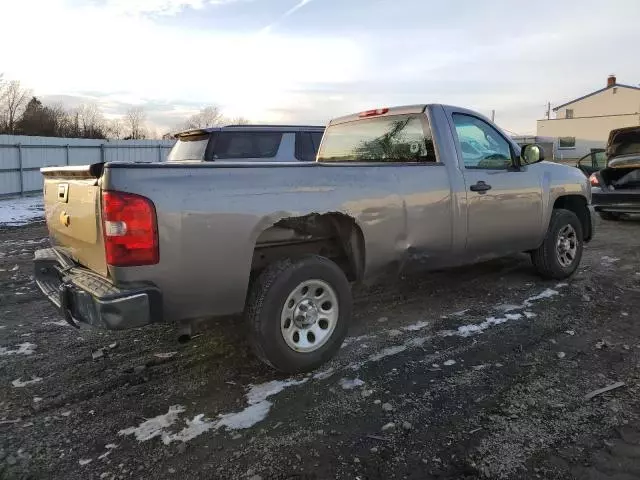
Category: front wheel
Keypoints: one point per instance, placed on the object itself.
(561, 251)
(298, 313)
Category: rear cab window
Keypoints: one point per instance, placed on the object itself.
(387, 139)
(189, 148)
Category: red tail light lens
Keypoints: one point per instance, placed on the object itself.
(130, 230)
(593, 179)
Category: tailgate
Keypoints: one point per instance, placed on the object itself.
(72, 202)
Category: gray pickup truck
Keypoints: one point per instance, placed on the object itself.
(428, 185)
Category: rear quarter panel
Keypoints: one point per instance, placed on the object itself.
(209, 219)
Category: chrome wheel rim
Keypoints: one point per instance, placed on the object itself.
(567, 245)
(309, 316)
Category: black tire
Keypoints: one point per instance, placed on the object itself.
(545, 258)
(266, 300)
(610, 216)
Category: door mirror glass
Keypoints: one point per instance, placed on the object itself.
(531, 154)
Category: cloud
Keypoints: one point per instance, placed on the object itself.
(317, 64)
(161, 7)
(286, 14)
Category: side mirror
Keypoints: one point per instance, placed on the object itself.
(530, 154)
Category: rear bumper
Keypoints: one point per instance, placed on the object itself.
(620, 202)
(83, 296)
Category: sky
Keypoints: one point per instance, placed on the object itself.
(306, 61)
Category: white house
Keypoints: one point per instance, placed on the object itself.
(583, 124)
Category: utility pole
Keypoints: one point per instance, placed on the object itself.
(548, 110)
(493, 116)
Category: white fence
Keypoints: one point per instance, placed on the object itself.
(21, 157)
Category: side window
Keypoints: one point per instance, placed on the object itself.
(599, 159)
(304, 147)
(239, 145)
(481, 145)
(317, 138)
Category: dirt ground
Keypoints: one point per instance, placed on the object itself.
(480, 372)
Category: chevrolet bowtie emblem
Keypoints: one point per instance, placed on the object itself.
(65, 219)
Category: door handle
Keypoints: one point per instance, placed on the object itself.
(480, 187)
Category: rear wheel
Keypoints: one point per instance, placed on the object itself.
(298, 312)
(610, 216)
(561, 251)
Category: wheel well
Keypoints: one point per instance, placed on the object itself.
(578, 205)
(332, 235)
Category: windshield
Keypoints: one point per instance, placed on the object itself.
(398, 138)
(190, 147)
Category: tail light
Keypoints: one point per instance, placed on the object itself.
(130, 230)
(373, 113)
(593, 179)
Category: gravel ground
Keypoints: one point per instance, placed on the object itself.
(480, 372)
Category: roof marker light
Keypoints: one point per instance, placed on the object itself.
(373, 113)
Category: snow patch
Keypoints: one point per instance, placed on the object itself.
(19, 211)
(416, 342)
(324, 374)
(23, 349)
(194, 428)
(350, 383)
(448, 363)
(415, 327)
(164, 355)
(387, 352)
(60, 323)
(607, 260)
(84, 462)
(255, 412)
(154, 427)
(349, 340)
(18, 383)
(474, 329)
(548, 293)
(110, 447)
(507, 307)
(481, 366)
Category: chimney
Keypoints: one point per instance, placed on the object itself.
(611, 81)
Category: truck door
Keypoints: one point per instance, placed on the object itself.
(504, 201)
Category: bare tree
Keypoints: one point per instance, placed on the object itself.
(61, 119)
(207, 117)
(239, 121)
(135, 120)
(151, 133)
(90, 121)
(115, 128)
(13, 101)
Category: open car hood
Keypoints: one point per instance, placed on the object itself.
(623, 148)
